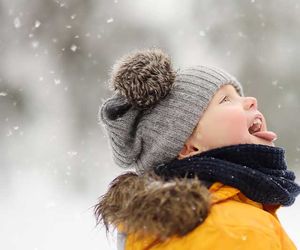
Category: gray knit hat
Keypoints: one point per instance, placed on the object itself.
(155, 109)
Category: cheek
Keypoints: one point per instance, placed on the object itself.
(231, 125)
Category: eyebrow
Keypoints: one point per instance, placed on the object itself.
(230, 90)
(226, 92)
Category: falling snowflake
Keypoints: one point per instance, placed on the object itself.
(110, 20)
(35, 44)
(37, 24)
(275, 83)
(3, 94)
(17, 23)
(57, 81)
(73, 48)
(72, 153)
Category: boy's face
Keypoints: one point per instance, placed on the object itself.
(226, 121)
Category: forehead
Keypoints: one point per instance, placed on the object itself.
(227, 88)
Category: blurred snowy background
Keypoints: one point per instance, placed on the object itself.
(55, 58)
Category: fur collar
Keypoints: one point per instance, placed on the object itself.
(147, 205)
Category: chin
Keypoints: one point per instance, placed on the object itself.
(258, 140)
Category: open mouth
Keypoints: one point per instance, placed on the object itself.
(257, 129)
(256, 126)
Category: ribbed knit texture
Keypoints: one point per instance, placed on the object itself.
(258, 171)
(142, 139)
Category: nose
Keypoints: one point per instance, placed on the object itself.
(250, 103)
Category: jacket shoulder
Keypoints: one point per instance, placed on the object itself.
(233, 224)
(234, 213)
(229, 225)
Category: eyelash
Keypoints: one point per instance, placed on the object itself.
(224, 98)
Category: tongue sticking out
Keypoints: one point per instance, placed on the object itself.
(266, 135)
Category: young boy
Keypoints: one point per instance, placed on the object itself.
(208, 175)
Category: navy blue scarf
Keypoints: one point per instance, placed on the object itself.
(258, 171)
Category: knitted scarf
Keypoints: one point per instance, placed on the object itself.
(258, 171)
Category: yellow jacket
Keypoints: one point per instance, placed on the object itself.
(234, 222)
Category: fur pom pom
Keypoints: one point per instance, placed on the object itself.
(144, 77)
(148, 206)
